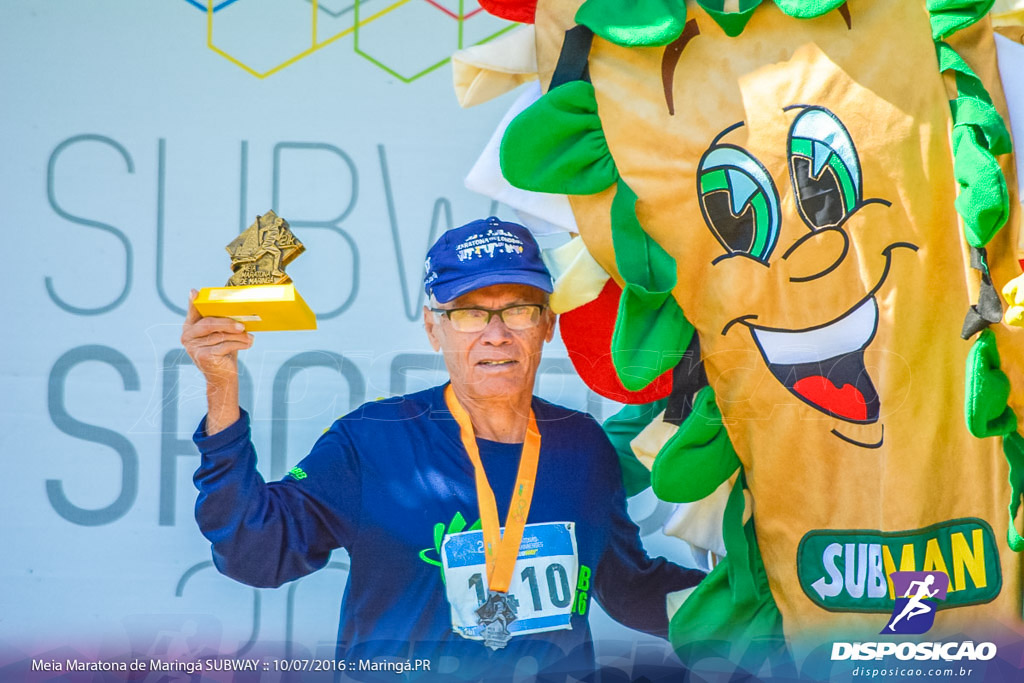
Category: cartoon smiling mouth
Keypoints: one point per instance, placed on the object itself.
(823, 366)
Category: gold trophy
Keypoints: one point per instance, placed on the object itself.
(260, 294)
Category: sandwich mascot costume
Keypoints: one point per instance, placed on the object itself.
(795, 257)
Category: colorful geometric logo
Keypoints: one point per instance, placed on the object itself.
(916, 595)
(295, 30)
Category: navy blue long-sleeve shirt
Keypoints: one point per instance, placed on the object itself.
(386, 482)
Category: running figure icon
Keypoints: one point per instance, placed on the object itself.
(917, 592)
(915, 607)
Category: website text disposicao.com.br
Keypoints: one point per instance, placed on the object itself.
(901, 672)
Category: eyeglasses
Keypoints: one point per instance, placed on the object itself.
(516, 317)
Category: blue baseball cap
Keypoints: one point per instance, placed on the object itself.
(485, 252)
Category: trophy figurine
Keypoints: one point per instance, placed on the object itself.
(260, 294)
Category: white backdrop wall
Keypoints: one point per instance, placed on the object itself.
(137, 137)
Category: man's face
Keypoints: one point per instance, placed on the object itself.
(496, 361)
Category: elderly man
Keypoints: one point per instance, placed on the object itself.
(401, 482)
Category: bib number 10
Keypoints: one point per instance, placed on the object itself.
(543, 581)
(559, 592)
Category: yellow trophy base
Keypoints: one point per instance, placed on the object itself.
(261, 308)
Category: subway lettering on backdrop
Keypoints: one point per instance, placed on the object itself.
(97, 163)
(848, 570)
(100, 162)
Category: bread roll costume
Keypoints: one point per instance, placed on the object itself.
(808, 211)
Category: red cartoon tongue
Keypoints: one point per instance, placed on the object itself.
(847, 402)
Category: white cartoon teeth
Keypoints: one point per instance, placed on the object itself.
(849, 333)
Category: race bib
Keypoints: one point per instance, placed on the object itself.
(543, 581)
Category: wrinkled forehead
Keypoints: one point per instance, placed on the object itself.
(498, 296)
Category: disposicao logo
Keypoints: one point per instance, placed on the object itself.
(916, 593)
(913, 614)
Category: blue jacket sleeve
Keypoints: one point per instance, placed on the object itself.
(631, 586)
(266, 534)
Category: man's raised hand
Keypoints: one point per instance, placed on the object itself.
(213, 344)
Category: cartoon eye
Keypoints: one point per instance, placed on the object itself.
(824, 168)
(739, 201)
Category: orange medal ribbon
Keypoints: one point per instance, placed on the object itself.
(501, 550)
